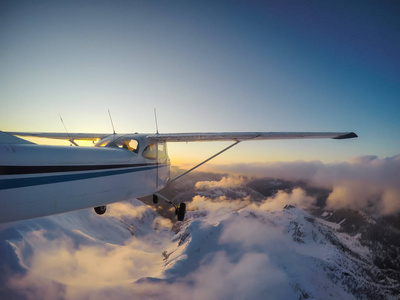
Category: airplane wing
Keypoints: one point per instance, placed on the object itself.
(63, 135)
(6, 138)
(246, 136)
(198, 137)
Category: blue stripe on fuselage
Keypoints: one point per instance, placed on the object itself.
(32, 181)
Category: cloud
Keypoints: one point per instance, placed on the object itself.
(367, 183)
(252, 276)
(390, 202)
(70, 265)
(218, 203)
(225, 182)
(226, 259)
(125, 209)
(84, 261)
(219, 276)
(246, 231)
(65, 262)
(297, 198)
(162, 223)
(33, 287)
(62, 267)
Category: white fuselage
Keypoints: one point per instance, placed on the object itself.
(37, 180)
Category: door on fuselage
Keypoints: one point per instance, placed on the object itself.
(158, 152)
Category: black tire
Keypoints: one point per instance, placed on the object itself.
(155, 199)
(181, 211)
(100, 210)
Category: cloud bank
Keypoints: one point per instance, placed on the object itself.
(66, 262)
(367, 183)
(81, 255)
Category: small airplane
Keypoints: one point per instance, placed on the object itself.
(41, 180)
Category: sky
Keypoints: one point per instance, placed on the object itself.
(207, 66)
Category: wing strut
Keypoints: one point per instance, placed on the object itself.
(202, 163)
(180, 210)
(71, 140)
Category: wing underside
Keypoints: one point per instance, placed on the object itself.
(63, 136)
(6, 138)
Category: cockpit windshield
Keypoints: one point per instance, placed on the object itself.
(129, 144)
(104, 142)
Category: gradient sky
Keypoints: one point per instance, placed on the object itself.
(207, 66)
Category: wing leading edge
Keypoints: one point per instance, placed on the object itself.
(246, 136)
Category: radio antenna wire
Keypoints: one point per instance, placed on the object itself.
(112, 124)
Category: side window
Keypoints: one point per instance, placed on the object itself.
(162, 151)
(150, 152)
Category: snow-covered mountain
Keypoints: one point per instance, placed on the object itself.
(235, 243)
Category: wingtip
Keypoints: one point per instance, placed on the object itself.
(346, 136)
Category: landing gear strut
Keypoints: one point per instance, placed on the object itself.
(155, 199)
(180, 210)
(100, 210)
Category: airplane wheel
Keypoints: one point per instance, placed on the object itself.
(181, 211)
(100, 210)
(155, 199)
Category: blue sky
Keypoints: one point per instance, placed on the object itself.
(207, 66)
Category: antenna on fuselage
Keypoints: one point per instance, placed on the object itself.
(65, 127)
(155, 117)
(112, 124)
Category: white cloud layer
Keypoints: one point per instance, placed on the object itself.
(224, 261)
(367, 183)
(296, 198)
(225, 182)
(80, 255)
